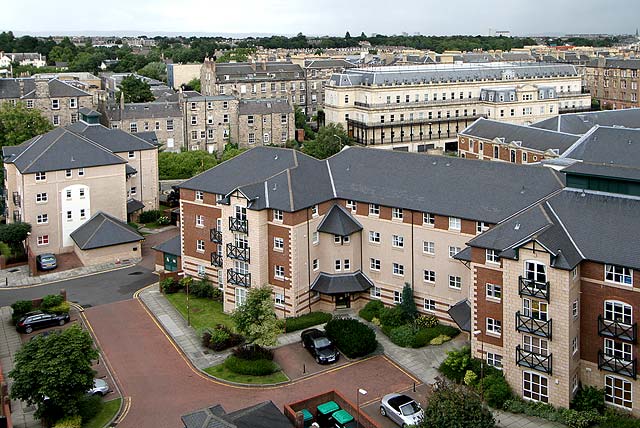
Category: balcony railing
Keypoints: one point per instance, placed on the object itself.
(238, 225)
(617, 330)
(16, 199)
(617, 365)
(527, 324)
(237, 278)
(542, 363)
(413, 103)
(539, 290)
(216, 235)
(216, 259)
(238, 253)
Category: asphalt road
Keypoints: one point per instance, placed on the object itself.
(93, 290)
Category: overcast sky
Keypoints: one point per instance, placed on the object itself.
(321, 17)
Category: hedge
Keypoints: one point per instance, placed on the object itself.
(253, 353)
(371, 310)
(353, 338)
(220, 338)
(250, 367)
(424, 336)
(69, 422)
(50, 301)
(305, 321)
(149, 216)
(61, 309)
(20, 308)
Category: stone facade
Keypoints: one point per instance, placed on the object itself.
(614, 82)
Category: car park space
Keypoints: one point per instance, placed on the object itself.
(296, 362)
(372, 408)
(64, 261)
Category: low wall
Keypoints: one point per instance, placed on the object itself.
(292, 410)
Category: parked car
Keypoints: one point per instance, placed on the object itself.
(401, 409)
(45, 334)
(46, 261)
(319, 346)
(38, 320)
(100, 387)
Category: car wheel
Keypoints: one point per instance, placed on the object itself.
(318, 360)
(61, 322)
(383, 412)
(28, 330)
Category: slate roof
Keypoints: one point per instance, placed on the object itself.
(264, 106)
(339, 221)
(134, 205)
(103, 230)
(461, 314)
(581, 123)
(150, 110)
(573, 225)
(262, 415)
(355, 282)
(525, 136)
(10, 88)
(245, 71)
(328, 63)
(608, 145)
(170, 246)
(116, 140)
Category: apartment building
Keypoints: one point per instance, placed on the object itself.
(555, 287)
(58, 101)
(336, 233)
(181, 74)
(23, 58)
(61, 180)
(317, 73)
(417, 108)
(614, 82)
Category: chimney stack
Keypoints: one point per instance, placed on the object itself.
(42, 88)
(121, 101)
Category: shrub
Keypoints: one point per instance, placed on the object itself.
(69, 422)
(496, 390)
(20, 308)
(250, 367)
(220, 338)
(163, 220)
(149, 216)
(51, 300)
(202, 288)
(470, 378)
(615, 419)
(575, 419)
(589, 398)
(371, 310)
(217, 294)
(439, 340)
(305, 321)
(375, 321)
(454, 406)
(456, 364)
(62, 308)
(253, 352)
(169, 286)
(352, 337)
(408, 303)
(89, 407)
(392, 317)
(427, 321)
(424, 336)
(402, 336)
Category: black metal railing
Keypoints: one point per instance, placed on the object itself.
(216, 259)
(617, 365)
(527, 324)
(237, 278)
(16, 199)
(238, 225)
(238, 253)
(216, 235)
(542, 363)
(617, 330)
(539, 290)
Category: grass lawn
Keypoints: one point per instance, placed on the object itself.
(220, 371)
(108, 411)
(204, 312)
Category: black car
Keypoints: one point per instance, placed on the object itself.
(37, 320)
(319, 346)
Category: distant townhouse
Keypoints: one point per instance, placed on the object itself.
(58, 101)
(77, 185)
(317, 73)
(35, 59)
(111, 84)
(614, 82)
(181, 74)
(417, 108)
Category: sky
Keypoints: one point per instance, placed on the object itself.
(324, 17)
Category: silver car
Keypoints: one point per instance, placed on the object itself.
(100, 387)
(401, 409)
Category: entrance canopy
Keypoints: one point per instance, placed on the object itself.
(355, 282)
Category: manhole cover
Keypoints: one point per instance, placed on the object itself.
(136, 273)
(14, 270)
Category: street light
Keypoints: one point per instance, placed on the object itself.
(477, 333)
(187, 289)
(360, 392)
(339, 139)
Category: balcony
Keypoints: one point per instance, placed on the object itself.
(527, 324)
(238, 253)
(216, 259)
(16, 199)
(413, 103)
(617, 365)
(237, 278)
(216, 235)
(534, 361)
(539, 290)
(238, 225)
(617, 330)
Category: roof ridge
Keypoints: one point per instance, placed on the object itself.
(33, 141)
(95, 229)
(94, 143)
(289, 187)
(42, 152)
(575, 245)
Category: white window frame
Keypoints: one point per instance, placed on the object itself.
(316, 238)
(42, 218)
(353, 205)
(42, 198)
(494, 360)
(575, 309)
(429, 247)
(42, 240)
(493, 326)
(618, 400)
(428, 219)
(397, 297)
(374, 237)
(316, 264)
(278, 244)
(199, 196)
(618, 275)
(397, 241)
(455, 282)
(200, 246)
(492, 256)
(337, 265)
(397, 269)
(453, 251)
(397, 214)
(493, 291)
(278, 215)
(531, 271)
(199, 220)
(314, 210)
(374, 209)
(240, 296)
(346, 265)
(374, 264)
(375, 292)
(621, 312)
(429, 276)
(455, 223)
(530, 393)
(278, 300)
(40, 176)
(278, 272)
(429, 305)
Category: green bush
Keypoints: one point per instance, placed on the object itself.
(392, 317)
(615, 419)
(456, 406)
(220, 338)
(202, 288)
(424, 336)
(427, 321)
(371, 310)
(305, 321)
(570, 417)
(61, 309)
(470, 378)
(496, 390)
(589, 398)
(50, 301)
(253, 353)
(456, 364)
(170, 286)
(353, 338)
(149, 216)
(250, 367)
(402, 336)
(575, 419)
(20, 308)
(163, 220)
(89, 407)
(439, 340)
(69, 422)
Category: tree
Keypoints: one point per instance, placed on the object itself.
(19, 124)
(408, 304)
(329, 140)
(256, 318)
(135, 90)
(174, 166)
(154, 70)
(230, 151)
(14, 234)
(194, 85)
(58, 367)
(455, 406)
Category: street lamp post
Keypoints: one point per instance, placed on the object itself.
(360, 392)
(339, 139)
(477, 333)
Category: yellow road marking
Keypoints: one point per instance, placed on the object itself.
(22, 287)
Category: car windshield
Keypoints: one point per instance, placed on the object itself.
(48, 258)
(322, 342)
(409, 408)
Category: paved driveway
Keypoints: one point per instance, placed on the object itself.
(162, 386)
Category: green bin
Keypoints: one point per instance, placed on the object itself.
(343, 419)
(308, 418)
(325, 411)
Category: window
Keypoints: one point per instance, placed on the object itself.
(68, 194)
(225, 118)
(134, 190)
(455, 282)
(56, 120)
(241, 296)
(428, 218)
(496, 149)
(211, 134)
(618, 311)
(279, 300)
(374, 237)
(43, 240)
(454, 223)
(277, 215)
(346, 264)
(250, 120)
(398, 269)
(535, 309)
(316, 264)
(535, 271)
(397, 297)
(266, 137)
(131, 155)
(278, 272)
(481, 227)
(55, 104)
(429, 247)
(314, 210)
(494, 291)
(374, 209)
(199, 220)
(375, 292)
(429, 305)
(43, 218)
(29, 103)
(338, 265)
(429, 276)
(41, 176)
(353, 205)
(397, 213)
(316, 238)
(200, 246)
(453, 251)
(618, 274)
(494, 360)
(574, 383)
(41, 198)
(494, 326)
(618, 392)
(82, 214)
(133, 127)
(69, 216)
(252, 138)
(80, 172)
(68, 173)
(524, 156)
(492, 256)
(283, 119)
(574, 309)
(374, 264)
(337, 239)
(169, 124)
(535, 387)
(397, 241)
(199, 195)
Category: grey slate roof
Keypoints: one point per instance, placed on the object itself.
(130, 170)
(339, 221)
(525, 136)
(581, 123)
(134, 205)
(10, 88)
(170, 246)
(461, 314)
(249, 72)
(610, 146)
(355, 282)
(262, 415)
(103, 230)
(328, 63)
(116, 140)
(152, 110)
(264, 106)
